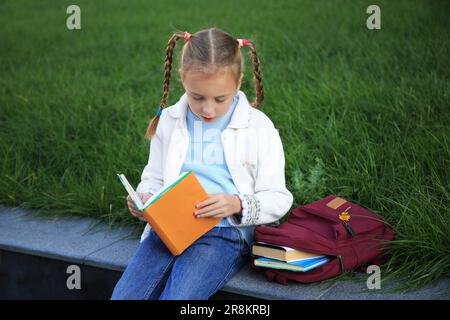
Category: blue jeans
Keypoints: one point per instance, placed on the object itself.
(199, 272)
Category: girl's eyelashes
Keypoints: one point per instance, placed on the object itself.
(201, 98)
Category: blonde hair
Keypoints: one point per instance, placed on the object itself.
(206, 51)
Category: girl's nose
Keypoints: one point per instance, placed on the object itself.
(207, 110)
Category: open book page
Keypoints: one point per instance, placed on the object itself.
(135, 197)
(159, 194)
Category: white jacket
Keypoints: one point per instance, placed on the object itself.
(253, 152)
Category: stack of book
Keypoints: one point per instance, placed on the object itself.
(278, 257)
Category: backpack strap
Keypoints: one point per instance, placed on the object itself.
(272, 276)
(342, 262)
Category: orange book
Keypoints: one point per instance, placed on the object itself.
(170, 211)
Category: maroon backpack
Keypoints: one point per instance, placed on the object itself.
(330, 226)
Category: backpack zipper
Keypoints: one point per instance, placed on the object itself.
(349, 228)
(344, 216)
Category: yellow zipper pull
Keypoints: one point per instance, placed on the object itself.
(344, 216)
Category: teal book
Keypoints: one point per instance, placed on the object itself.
(300, 265)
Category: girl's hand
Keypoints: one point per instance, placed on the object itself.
(219, 205)
(134, 211)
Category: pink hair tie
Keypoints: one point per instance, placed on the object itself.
(187, 35)
(242, 42)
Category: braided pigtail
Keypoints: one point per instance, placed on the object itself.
(151, 129)
(257, 76)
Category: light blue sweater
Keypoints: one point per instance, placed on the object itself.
(206, 158)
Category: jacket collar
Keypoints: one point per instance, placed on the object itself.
(239, 118)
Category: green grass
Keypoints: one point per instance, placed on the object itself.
(362, 113)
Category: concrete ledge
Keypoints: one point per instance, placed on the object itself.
(85, 241)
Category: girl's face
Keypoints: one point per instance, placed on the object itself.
(210, 95)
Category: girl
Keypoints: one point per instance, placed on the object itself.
(237, 155)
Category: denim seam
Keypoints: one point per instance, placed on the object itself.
(155, 284)
(243, 244)
(230, 269)
(157, 281)
(225, 279)
(240, 240)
